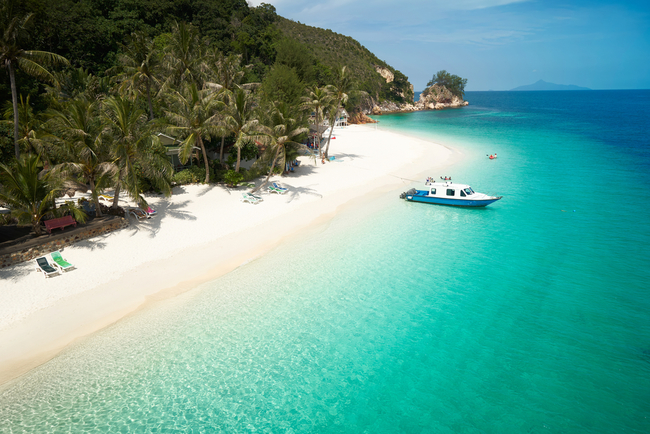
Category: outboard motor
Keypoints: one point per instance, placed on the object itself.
(411, 192)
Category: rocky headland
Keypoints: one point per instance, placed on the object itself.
(435, 97)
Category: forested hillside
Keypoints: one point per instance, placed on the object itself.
(90, 33)
(332, 49)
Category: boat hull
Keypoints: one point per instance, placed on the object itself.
(470, 203)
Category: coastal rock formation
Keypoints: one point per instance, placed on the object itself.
(438, 97)
(361, 118)
(386, 73)
(435, 97)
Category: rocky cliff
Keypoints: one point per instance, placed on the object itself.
(439, 97)
(433, 98)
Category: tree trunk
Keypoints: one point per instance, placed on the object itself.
(266, 181)
(238, 159)
(149, 98)
(116, 198)
(332, 121)
(14, 97)
(205, 158)
(93, 193)
(318, 137)
(223, 139)
(37, 227)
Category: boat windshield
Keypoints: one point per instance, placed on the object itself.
(469, 191)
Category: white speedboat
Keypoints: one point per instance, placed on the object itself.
(448, 193)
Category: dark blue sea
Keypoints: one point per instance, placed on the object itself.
(529, 316)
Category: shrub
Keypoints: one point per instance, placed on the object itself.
(193, 175)
(233, 178)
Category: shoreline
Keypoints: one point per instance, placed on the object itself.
(368, 162)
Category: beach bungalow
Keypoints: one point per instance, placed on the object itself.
(172, 146)
(342, 118)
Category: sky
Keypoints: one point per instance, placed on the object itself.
(495, 44)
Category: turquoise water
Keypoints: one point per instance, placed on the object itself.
(531, 315)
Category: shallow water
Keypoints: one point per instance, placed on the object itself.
(530, 315)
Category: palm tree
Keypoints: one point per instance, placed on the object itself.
(225, 74)
(80, 128)
(29, 196)
(183, 56)
(136, 150)
(280, 130)
(192, 114)
(76, 82)
(318, 101)
(140, 62)
(13, 32)
(240, 119)
(340, 89)
(28, 127)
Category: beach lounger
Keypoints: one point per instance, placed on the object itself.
(276, 185)
(150, 211)
(249, 198)
(277, 190)
(138, 213)
(259, 198)
(59, 262)
(106, 197)
(44, 267)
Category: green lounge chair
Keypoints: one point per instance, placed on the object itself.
(276, 190)
(278, 186)
(249, 198)
(59, 262)
(44, 267)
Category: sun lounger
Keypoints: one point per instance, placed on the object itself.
(138, 213)
(44, 267)
(276, 185)
(249, 198)
(59, 262)
(106, 197)
(259, 198)
(276, 190)
(150, 211)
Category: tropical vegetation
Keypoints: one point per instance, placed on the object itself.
(92, 87)
(454, 83)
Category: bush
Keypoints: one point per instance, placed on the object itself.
(233, 178)
(193, 175)
(254, 172)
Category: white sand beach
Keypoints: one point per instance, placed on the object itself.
(199, 233)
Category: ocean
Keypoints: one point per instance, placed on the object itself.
(531, 315)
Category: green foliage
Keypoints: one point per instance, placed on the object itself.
(233, 178)
(28, 195)
(296, 56)
(6, 142)
(282, 84)
(453, 83)
(89, 32)
(193, 175)
(334, 50)
(249, 151)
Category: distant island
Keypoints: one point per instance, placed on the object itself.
(543, 85)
